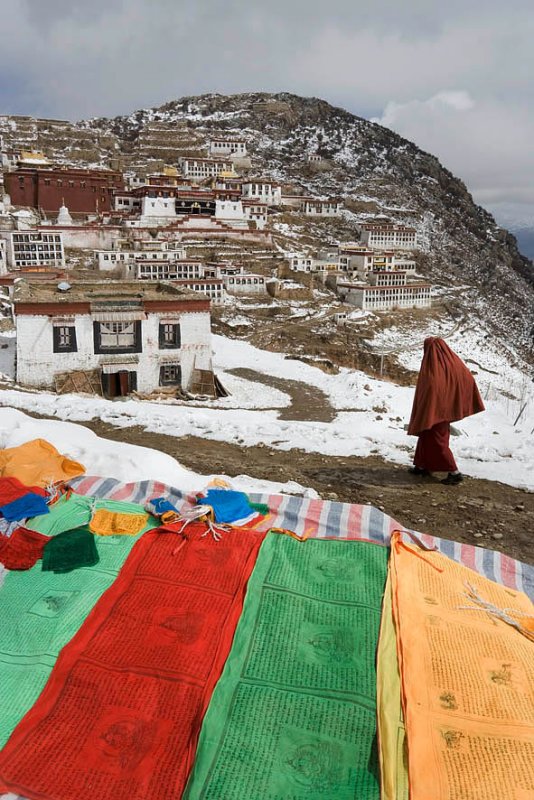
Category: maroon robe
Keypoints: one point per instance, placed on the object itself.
(433, 452)
(446, 391)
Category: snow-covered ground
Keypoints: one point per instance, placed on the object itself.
(501, 383)
(371, 414)
(245, 394)
(125, 462)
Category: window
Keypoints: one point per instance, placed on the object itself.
(170, 375)
(122, 337)
(169, 335)
(64, 339)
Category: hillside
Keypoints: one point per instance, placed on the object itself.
(476, 263)
(525, 241)
(375, 171)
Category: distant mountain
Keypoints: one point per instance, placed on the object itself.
(373, 169)
(525, 241)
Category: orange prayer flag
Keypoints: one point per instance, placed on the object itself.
(38, 463)
(467, 678)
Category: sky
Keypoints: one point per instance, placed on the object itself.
(456, 77)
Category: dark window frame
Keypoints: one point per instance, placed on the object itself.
(176, 380)
(57, 335)
(137, 346)
(170, 340)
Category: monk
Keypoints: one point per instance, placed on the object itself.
(445, 392)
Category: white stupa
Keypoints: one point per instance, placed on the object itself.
(63, 217)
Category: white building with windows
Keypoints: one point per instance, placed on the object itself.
(145, 250)
(318, 207)
(210, 287)
(198, 169)
(35, 248)
(404, 263)
(136, 339)
(386, 291)
(262, 189)
(301, 263)
(363, 260)
(256, 212)
(125, 200)
(228, 146)
(146, 270)
(222, 269)
(323, 263)
(248, 283)
(388, 236)
(313, 206)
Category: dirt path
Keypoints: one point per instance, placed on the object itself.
(307, 402)
(477, 511)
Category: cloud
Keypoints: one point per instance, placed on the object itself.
(439, 103)
(454, 77)
(486, 143)
(397, 114)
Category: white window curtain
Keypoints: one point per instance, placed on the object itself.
(117, 334)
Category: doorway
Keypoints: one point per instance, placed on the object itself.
(119, 384)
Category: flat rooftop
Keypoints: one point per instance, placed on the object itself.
(98, 291)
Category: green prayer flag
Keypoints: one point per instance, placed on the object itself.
(40, 612)
(70, 550)
(293, 715)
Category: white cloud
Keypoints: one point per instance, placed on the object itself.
(440, 103)
(487, 144)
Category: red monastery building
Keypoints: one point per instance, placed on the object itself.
(83, 191)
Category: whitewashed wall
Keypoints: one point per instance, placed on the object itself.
(229, 210)
(101, 237)
(158, 207)
(37, 363)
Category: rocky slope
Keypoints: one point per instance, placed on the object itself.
(373, 169)
(376, 172)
